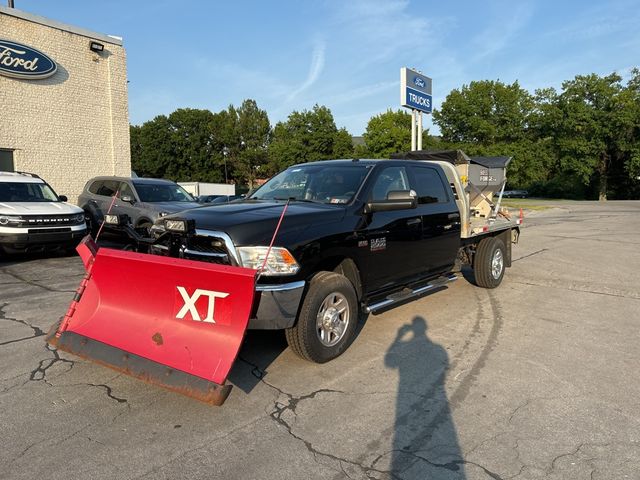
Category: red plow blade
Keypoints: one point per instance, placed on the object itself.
(172, 322)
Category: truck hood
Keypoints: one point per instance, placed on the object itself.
(38, 208)
(253, 222)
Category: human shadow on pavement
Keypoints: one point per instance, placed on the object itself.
(425, 443)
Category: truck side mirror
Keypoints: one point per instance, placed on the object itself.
(396, 200)
(63, 198)
(127, 198)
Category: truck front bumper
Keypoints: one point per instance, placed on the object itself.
(276, 306)
(24, 241)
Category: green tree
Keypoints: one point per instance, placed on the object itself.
(307, 136)
(387, 133)
(152, 150)
(593, 124)
(342, 144)
(244, 135)
(194, 146)
(390, 132)
(485, 112)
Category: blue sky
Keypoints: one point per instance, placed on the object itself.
(289, 55)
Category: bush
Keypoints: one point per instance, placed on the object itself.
(561, 186)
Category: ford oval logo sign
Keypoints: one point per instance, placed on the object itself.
(419, 82)
(20, 61)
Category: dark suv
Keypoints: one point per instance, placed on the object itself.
(144, 200)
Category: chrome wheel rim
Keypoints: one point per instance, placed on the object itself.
(332, 319)
(497, 263)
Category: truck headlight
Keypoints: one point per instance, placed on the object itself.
(11, 220)
(176, 225)
(112, 219)
(280, 261)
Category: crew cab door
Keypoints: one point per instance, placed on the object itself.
(440, 219)
(391, 240)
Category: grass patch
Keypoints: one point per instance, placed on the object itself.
(527, 205)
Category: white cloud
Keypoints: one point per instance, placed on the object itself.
(317, 65)
(351, 95)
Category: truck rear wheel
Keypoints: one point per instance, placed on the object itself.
(489, 262)
(327, 320)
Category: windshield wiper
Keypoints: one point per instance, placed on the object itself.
(295, 199)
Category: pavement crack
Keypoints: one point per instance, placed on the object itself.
(280, 409)
(518, 408)
(580, 290)
(37, 332)
(39, 374)
(562, 455)
(109, 392)
(529, 255)
(454, 465)
(33, 282)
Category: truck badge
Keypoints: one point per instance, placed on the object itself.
(189, 305)
(378, 244)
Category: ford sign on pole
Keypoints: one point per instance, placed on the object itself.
(415, 90)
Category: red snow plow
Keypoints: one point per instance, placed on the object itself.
(172, 322)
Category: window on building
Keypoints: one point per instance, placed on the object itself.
(6, 161)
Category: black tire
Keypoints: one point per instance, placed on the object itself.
(313, 342)
(489, 262)
(92, 224)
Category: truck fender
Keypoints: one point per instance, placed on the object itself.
(349, 269)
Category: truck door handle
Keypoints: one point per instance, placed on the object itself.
(414, 221)
(454, 216)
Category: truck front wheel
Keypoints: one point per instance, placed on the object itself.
(489, 262)
(327, 321)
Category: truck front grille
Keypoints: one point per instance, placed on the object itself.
(203, 245)
(48, 220)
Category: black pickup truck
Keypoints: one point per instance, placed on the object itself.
(356, 236)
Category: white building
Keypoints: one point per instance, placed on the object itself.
(63, 102)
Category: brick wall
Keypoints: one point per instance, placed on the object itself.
(73, 125)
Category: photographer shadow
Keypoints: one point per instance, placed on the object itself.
(425, 443)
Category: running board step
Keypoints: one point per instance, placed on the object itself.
(408, 293)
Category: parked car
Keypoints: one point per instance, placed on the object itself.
(226, 198)
(144, 200)
(515, 194)
(34, 218)
(207, 198)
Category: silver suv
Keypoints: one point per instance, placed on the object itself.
(144, 200)
(34, 218)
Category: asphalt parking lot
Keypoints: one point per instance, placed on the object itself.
(536, 379)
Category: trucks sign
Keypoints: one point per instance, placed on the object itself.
(20, 61)
(415, 90)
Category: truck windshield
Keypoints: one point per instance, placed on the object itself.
(328, 183)
(162, 192)
(26, 192)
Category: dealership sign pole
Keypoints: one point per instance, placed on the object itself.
(415, 93)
